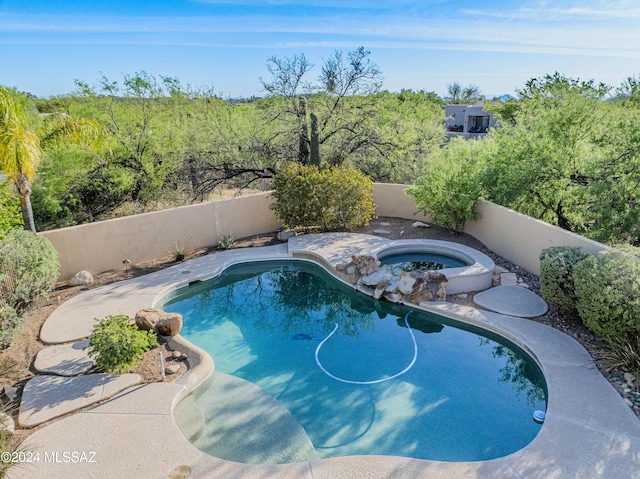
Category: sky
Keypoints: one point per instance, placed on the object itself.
(224, 45)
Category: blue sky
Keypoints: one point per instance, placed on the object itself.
(224, 44)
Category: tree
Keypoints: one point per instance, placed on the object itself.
(565, 154)
(459, 94)
(20, 151)
(21, 148)
(330, 118)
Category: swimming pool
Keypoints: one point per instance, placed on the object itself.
(326, 353)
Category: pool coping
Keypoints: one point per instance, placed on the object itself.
(589, 431)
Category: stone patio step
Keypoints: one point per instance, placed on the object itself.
(48, 397)
(64, 359)
(512, 300)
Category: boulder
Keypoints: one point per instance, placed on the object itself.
(172, 368)
(365, 264)
(147, 318)
(375, 279)
(169, 324)
(434, 277)
(406, 283)
(81, 277)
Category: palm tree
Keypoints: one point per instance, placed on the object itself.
(21, 148)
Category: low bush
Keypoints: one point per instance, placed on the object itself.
(29, 268)
(332, 198)
(10, 324)
(117, 345)
(608, 294)
(556, 274)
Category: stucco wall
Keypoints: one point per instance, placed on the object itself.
(102, 246)
(514, 236)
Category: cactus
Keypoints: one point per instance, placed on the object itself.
(315, 144)
(303, 138)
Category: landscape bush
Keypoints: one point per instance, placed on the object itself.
(451, 186)
(556, 274)
(10, 324)
(10, 214)
(117, 345)
(608, 294)
(337, 197)
(29, 268)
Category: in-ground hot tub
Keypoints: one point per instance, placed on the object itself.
(475, 272)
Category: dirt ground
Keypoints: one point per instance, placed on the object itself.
(16, 362)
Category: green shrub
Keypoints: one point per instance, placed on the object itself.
(117, 345)
(29, 268)
(10, 213)
(326, 199)
(10, 323)
(556, 274)
(227, 241)
(608, 294)
(450, 188)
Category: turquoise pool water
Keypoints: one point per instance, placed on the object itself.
(352, 374)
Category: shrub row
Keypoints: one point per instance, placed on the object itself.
(603, 289)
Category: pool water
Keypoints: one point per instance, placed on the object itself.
(456, 393)
(415, 261)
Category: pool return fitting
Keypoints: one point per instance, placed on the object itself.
(376, 381)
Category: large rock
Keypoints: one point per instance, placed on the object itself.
(365, 264)
(81, 277)
(169, 324)
(377, 278)
(147, 318)
(406, 283)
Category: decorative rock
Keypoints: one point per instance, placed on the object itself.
(385, 224)
(382, 232)
(286, 234)
(147, 318)
(380, 289)
(441, 294)
(393, 297)
(172, 368)
(434, 277)
(406, 283)
(365, 264)
(81, 277)
(392, 285)
(169, 324)
(629, 378)
(420, 224)
(499, 270)
(176, 354)
(375, 279)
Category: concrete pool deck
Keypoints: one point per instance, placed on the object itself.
(589, 431)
